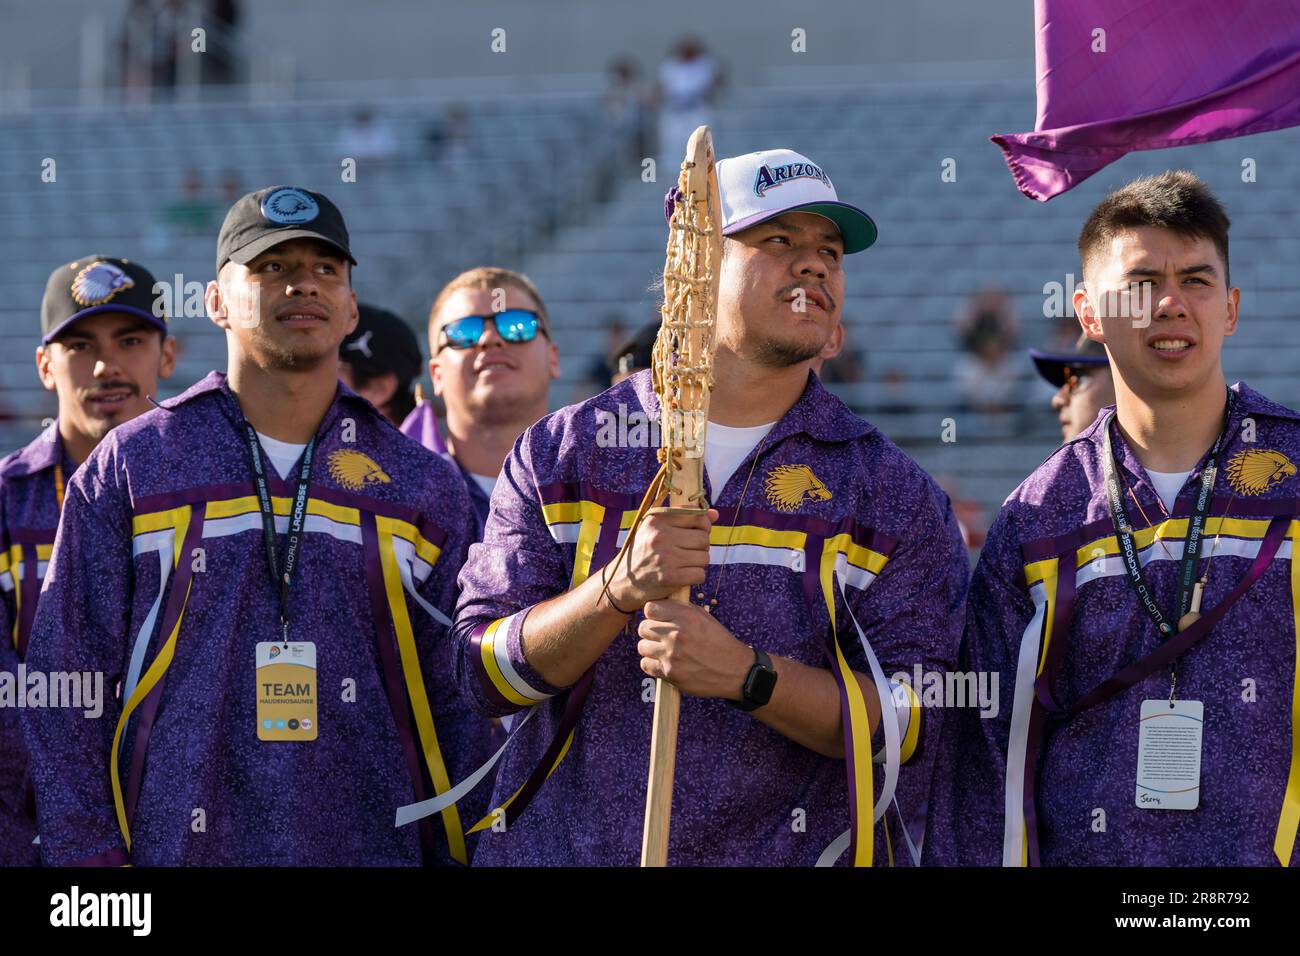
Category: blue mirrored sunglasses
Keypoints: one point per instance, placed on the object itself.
(513, 325)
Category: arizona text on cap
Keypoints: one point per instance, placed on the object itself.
(277, 214)
(94, 284)
(759, 186)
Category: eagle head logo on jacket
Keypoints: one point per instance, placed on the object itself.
(354, 471)
(788, 485)
(1255, 470)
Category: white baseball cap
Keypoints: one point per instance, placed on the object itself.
(758, 186)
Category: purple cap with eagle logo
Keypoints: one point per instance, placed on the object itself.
(94, 284)
(277, 214)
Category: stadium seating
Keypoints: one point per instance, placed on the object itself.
(589, 231)
(940, 242)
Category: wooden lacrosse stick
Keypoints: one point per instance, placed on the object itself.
(682, 371)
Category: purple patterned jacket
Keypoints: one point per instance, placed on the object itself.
(1051, 597)
(829, 493)
(159, 580)
(31, 486)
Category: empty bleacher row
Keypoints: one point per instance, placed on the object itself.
(415, 218)
(544, 185)
(940, 242)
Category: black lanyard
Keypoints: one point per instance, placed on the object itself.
(1191, 544)
(281, 578)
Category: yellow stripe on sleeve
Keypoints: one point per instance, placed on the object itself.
(487, 649)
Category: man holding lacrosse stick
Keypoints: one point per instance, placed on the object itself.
(826, 561)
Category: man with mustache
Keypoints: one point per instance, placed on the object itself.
(824, 540)
(264, 563)
(103, 349)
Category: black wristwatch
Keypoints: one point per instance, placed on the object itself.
(759, 684)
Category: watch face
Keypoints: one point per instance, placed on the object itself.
(761, 684)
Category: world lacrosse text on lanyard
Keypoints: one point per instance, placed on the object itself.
(1169, 732)
(286, 672)
(1188, 603)
(281, 577)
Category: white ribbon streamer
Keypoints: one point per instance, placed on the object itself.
(893, 745)
(427, 808)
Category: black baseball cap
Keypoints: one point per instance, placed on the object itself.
(1052, 365)
(382, 342)
(277, 214)
(94, 284)
(638, 351)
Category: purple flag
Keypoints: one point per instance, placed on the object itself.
(422, 425)
(1115, 76)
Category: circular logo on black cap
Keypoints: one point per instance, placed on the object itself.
(289, 207)
(98, 283)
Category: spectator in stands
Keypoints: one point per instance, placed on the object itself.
(136, 49)
(172, 25)
(191, 212)
(380, 361)
(222, 59)
(984, 376)
(368, 138)
(230, 188)
(689, 81)
(447, 139)
(1083, 382)
(628, 105)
